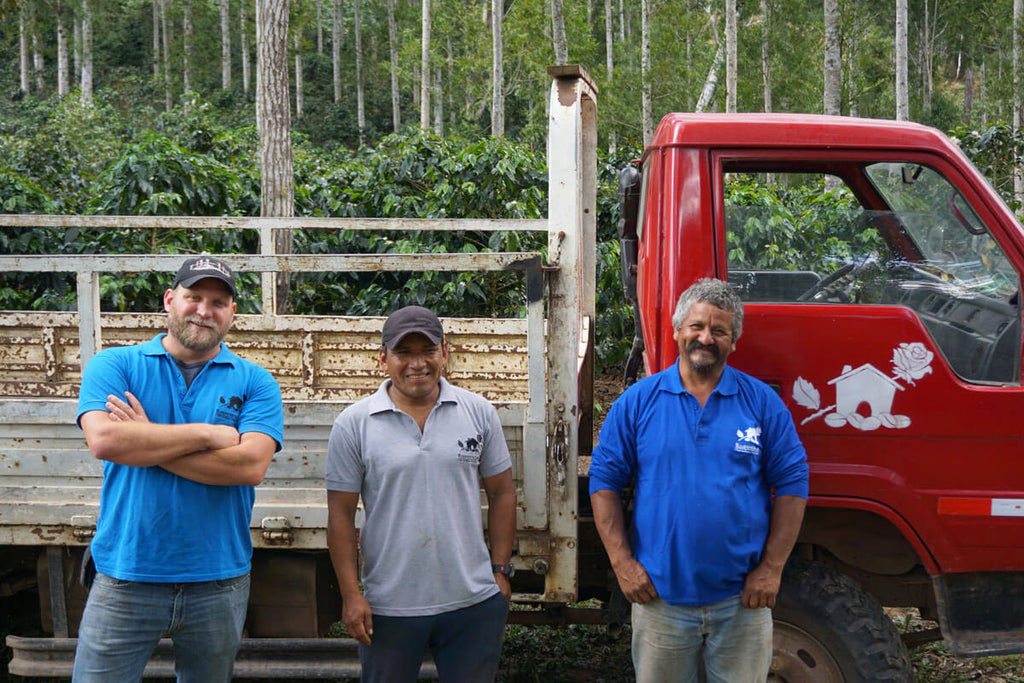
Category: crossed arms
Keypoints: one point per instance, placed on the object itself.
(204, 453)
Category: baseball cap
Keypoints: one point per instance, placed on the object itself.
(410, 320)
(196, 269)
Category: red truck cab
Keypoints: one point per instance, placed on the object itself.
(881, 278)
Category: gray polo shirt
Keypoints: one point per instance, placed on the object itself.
(422, 539)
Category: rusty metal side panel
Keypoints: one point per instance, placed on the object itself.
(313, 358)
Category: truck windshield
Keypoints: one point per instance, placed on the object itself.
(951, 239)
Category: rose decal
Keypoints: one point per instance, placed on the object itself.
(911, 361)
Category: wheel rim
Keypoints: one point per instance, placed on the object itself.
(799, 657)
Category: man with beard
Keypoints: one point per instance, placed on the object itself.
(705, 447)
(185, 429)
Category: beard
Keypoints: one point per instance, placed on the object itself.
(206, 337)
(703, 367)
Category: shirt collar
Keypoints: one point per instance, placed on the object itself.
(672, 382)
(380, 401)
(155, 347)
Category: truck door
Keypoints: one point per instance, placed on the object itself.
(883, 302)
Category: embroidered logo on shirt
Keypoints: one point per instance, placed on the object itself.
(469, 449)
(234, 403)
(230, 409)
(748, 441)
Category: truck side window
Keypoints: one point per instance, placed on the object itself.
(807, 238)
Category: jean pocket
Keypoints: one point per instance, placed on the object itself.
(234, 583)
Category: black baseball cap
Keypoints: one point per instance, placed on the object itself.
(411, 320)
(199, 268)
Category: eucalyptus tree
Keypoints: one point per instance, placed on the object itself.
(1018, 98)
(393, 47)
(425, 73)
(497, 69)
(902, 81)
(225, 43)
(243, 33)
(731, 81)
(561, 44)
(832, 69)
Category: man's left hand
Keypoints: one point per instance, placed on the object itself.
(504, 584)
(126, 411)
(761, 587)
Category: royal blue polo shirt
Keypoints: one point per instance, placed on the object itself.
(704, 478)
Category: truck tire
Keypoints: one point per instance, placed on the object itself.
(829, 630)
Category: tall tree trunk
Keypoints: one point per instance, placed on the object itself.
(273, 119)
(497, 69)
(225, 43)
(319, 27)
(833, 66)
(38, 65)
(76, 52)
(156, 39)
(357, 21)
(926, 47)
(165, 37)
(711, 82)
(62, 50)
(766, 64)
(646, 105)
(25, 69)
(850, 59)
(298, 75)
(396, 111)
(336, 30)
(186, 47)
(622, 21)
(243, 20)
(425, 67)
(438, 101)
(86, 52)
(609, 34)
(730, 56)
(902, 82)
(558, 32)
(1018, 100)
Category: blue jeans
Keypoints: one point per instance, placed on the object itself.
(465, 643)
(124, 620)
(669, 640)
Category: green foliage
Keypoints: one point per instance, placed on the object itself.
(994, 150)
(802, 227)
(158, 177)
(420, 175)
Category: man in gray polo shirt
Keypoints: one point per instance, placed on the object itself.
(417, 450)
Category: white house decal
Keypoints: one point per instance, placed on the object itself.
(867, 385)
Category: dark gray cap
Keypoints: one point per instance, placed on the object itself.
(196, 269)
(411, 320)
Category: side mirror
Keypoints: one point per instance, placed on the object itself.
(629, 206)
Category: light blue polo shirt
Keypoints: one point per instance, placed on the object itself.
(422, 539)
(704, 478)
(155, 526)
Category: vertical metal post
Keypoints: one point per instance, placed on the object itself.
(90, 338)
(268, 280)
(572, 173)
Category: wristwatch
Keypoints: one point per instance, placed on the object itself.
(506, 569)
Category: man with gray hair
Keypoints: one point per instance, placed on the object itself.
(720, 481)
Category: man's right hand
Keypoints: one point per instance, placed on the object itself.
(358, 618)
(636, 585)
